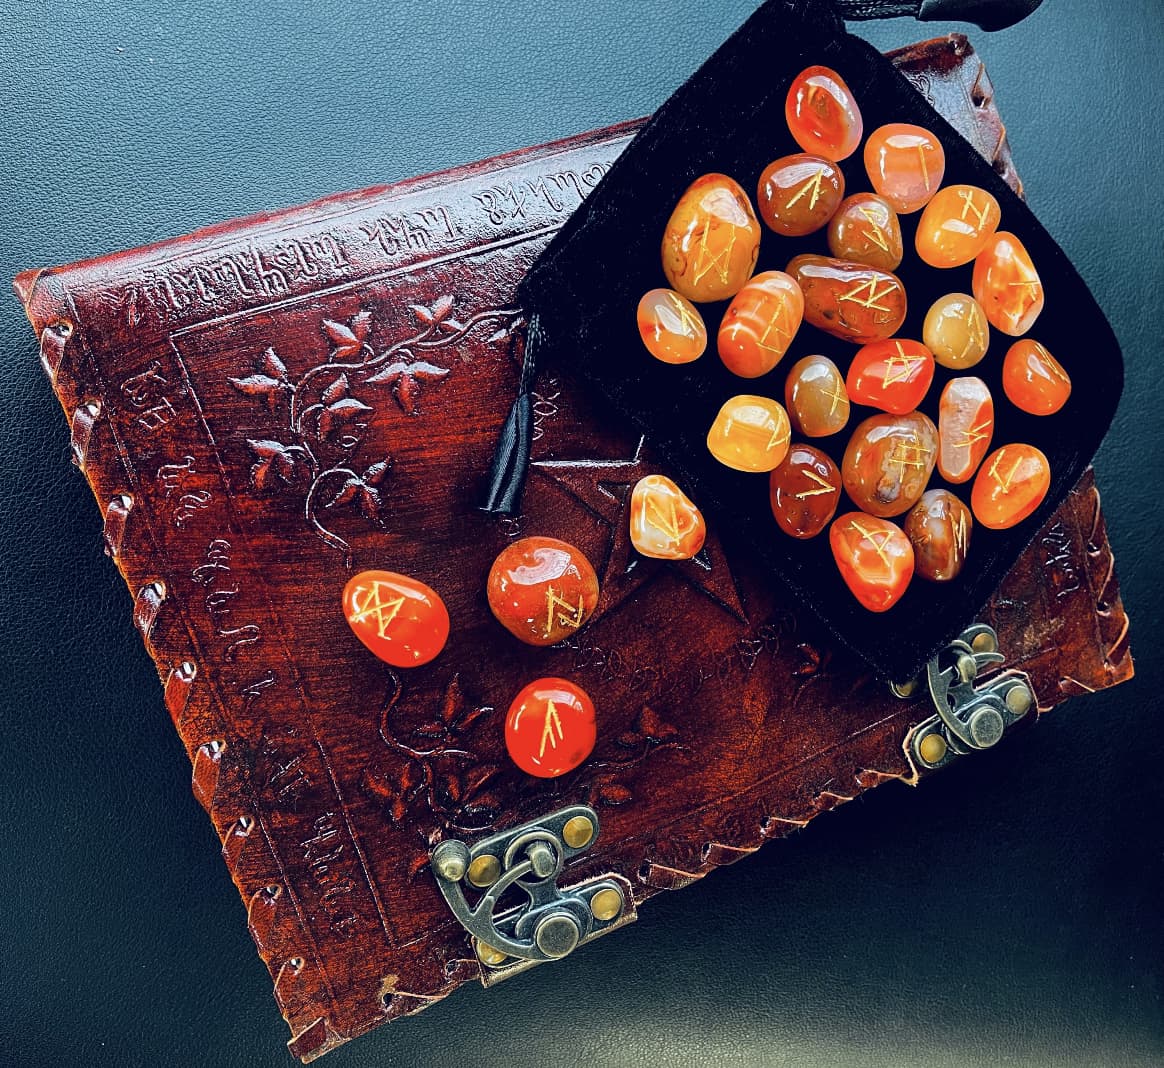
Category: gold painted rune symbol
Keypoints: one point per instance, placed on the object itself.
(814, 184)
(779, 437)
(667, 523)
(552, 732)
(878, 235)
(1054, 368)
(722, 260)
(372, 606)
(837, 396)
(960, 535)
(779, 323)
(921, 152)
(1004, 482)
(569, 615)
(899, 368)
(871, 538)
(909, 453)
(871, 294)
(975, 434)
(686, 321)
(968, 204)
(824, 485)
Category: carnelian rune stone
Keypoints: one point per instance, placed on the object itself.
(1033, 379)
(888, 462)
(816, 398)
(938, 528)
(1011, 484)
(541, 589)
(893, 375)
(965, 427)
(865, 229)
(1007, 285)
(874, 557)
(671, 326)
(760, 323)
(401, 620)
(804, 491)
(664, 524)
(956, 225)
(750, 433)
(956, 331)
(851, 301)
(905, 164)
(711, 241)
(822, 114)
(550, 727)
(797, 195)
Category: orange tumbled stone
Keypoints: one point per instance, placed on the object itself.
(1007, 285)
(965, 427)
(822, 114)
(759, 324)
(550, 727)
(711, 241)
(1033, 379)
(888, 462)
(1011, 484)
(956, 331)
(851, 301)
(797, 195)
(938, 528)
(750, 433)
(816, 398)
(874, 558)
(905, 164)
(541, 589)
(664, 523)
(804, 490)
(403, 621)
(865, 229)
(671, 326)
(893, 375)
(956, 225)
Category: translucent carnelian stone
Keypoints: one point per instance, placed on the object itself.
(893, 375)
(888, 462)
(550, 727)
(956, 331)
(938, 528)
(1033, 379)
(1011, 484)
(849, 300)
(874, 558)
(1007, 285)
(749, 434)
(396, 617)
(965, 427)
(671, 326)
(905, 164)
(956, 224)
(816, 398)
(822, 114)
(865, 229)
(804, 490)
(711, 241)
(797, 195)
(760, 323)
(664, 524)
(541, 589)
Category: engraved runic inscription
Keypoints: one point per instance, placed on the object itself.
(568, 615)
(925, 169)
(811, 186)
(667, 522)
(552, 732)
(974, 435)
(868, 293)
(705, 262)
(899, 368)
(837, 396)
(909, 453)
(823, 485)
(877, 236)
(369, 605)
(968, 205)
(1004, 481)
(779, 324)
(779, 437)
(1051, 364)
(960, 538)
(872, 539)
(689, 326)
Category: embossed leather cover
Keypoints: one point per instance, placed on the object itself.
(266, 405)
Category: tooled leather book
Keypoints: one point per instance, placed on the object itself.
(266, 406)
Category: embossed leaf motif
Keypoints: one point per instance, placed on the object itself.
(269, 381)
(348, 341)
(274, 463)
(405, 378)
(364, 489)
(339, 409)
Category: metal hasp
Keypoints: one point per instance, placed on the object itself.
(968, 717)
(553, 920)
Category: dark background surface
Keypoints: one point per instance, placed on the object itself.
(1007, 912)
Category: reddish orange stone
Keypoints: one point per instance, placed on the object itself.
(816, 398)
(822, 114)
(1007, 285)
(403, 621)
(671, 326)
(893, 375)
(664, 524)
(888, 462)
(1011, 484)
(874, 557)
(965, 427)
(849, 300)
(1033, 379)
(804, 490)
(956, 225)
(938, 528)
(750, 433)
(759, 324)
(905, 164)
(711, 241)
(541, 589)
(550, 728)
(866, 229)
(797, 195)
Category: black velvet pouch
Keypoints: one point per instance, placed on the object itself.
(729, 117)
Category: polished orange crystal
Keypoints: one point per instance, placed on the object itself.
(1011, 484)
(865, 229)
(905, 164)
(822, 114)
(1007, 285)
(664, 523)
(671, 326)
(965, 427)
(816, 398)
(874, 558)
(1033, 379)
(956, 331)
(400, 619)
(550, 727)
(541, 589)
(956, 225)
(797, 195)
(711, 241)
(893, 375)
(938, 528)
(804, 491)
(888, 462)
(750, 433)
(760, 323)
(851, 301)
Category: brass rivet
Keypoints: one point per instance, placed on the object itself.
(932, 748)
(984, 643)
(1018, 700)
(906, 689)
(606, 904)
(486, 954)
(578, 832)
(484, 870)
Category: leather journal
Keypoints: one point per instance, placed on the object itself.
(267, 406)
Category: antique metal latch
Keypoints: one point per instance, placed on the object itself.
(552, 920)
(968, 717)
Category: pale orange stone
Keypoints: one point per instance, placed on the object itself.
(956, 225)
(671, 327)
(1007, 285)
(816, 398)
(750, 433)
(759, 324)
(1011, 484)
(664, 523)
(905, 164)
(965, 427)
(956, 331)
(1033, 379)
(866, 229)
(874, 557)
(822, 114)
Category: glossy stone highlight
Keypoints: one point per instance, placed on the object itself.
(865, 229)
(889, 461)
(956, 331)
(905, 164)
(893, 375)
(965, 427)
(851, 301)
(1011, 484)
(816, 398)
(797, 195)
(664, 523)
(711, 241)
(956, 225)
(541, 589)
(550, 727)
(750, 433)
(671, 327)
(1007, 285)
(822, 114)
(1033, 379)
(938, 528)
(804, 491)
(874, 558)
(760, 323)
(396, 617)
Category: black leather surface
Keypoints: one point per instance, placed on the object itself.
(1007, 912)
